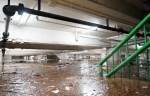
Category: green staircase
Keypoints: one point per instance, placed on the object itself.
(129, 58)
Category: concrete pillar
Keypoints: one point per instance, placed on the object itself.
(103, 55)
(35, 58)
(116, 55)
(7, 58)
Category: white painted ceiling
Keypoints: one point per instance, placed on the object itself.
(58, 25)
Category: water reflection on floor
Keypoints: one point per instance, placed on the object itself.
(79, 78)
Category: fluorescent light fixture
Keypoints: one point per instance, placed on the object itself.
(24, 18)
(94, 28)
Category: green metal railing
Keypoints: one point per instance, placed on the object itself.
(129, 58)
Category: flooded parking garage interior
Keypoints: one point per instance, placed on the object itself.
(74, 48)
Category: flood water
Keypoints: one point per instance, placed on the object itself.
(79, 78)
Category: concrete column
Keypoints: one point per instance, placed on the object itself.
(7, 58)
(35, 58)
(103, 55)
(116, 55)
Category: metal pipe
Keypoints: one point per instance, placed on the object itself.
(39, 5)
(5, 34)
(129, 58)
(8, 2)
(7, 23)
(139, 26)
(63, 18)
(22, 9)
(107, 22)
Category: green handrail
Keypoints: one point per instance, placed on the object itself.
(129, 58)
(139, 26)
(147, 61)
(137, 60)
(120, 62)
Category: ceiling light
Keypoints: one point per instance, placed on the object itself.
(24, 18)
(94, 28)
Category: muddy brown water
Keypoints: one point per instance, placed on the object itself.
(80, 78)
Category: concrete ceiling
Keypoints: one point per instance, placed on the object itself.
(134, 8)
(78, 9)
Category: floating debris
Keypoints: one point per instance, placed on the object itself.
(51, 86)
(45, 65)
(104, 68)
(55, 90)
(144, 87)
(37, 75)
(15, 83)
(71, 85)
(67, 88)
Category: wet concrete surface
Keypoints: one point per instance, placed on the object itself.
(80, 78)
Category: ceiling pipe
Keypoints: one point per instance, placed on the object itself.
(21, 9)
(39, 5)
(107, 22)
(8, 2)
(73, 26)
(6, 33)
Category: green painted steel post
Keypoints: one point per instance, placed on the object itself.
(101, 73)
(137, 61)
(120, 62)
(139, 26)
(113, 63)
(147, 61)
(127, 57)
(143, 48)
(107, 66)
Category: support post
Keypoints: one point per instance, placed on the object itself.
(113, 63)
(107, 66)
(120, 62)
(39, 5)
(127, 57)
(137, 61)
(147, 61)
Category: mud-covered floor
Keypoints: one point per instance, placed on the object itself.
(80, 78)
